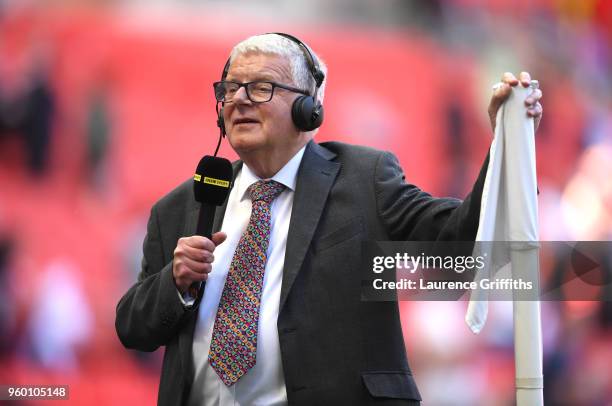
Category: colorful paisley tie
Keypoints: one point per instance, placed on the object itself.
(233, 347)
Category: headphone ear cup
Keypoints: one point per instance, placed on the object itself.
(221, 122)
(305, 114)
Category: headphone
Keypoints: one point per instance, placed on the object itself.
(306, 111)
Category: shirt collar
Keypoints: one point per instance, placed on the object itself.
(287, 175)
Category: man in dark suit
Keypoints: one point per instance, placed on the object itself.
(305, 338)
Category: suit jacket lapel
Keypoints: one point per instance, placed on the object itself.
(314, 181)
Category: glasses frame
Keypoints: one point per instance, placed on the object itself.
(248, 93)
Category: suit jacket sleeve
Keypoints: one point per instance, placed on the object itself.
(413, 215)
(151, 313)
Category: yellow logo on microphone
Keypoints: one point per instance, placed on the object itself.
(211, 181)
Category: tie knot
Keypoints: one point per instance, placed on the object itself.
(266, 190)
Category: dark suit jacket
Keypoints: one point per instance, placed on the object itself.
(335, 348)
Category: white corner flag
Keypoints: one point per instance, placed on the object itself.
(509, 212)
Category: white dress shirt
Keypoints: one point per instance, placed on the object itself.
(264, 384)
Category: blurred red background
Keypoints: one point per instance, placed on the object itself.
(127, 95)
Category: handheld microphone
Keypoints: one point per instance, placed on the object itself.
(211, 186)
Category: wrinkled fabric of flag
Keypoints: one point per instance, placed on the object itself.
(509, 210)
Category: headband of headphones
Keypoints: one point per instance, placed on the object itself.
(311, 61)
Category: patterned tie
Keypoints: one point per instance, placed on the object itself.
(233, 347)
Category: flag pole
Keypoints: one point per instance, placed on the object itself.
(524, 248)
(527, 332)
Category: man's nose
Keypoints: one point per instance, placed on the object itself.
(241, 96)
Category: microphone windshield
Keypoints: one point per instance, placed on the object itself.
(212, 180)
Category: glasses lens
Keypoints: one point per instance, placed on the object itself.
(260, 91)
(224, 91)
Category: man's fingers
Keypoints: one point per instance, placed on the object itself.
(525, 79)
(535, 111)
(509, 78)
(533, 98)
(193, 257)
(500, 93)
(197, 241)
(188, 264)
(218, 238)
(196, 254)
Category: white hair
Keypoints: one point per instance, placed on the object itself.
(278, 45)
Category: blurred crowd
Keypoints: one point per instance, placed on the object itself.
(94, 94)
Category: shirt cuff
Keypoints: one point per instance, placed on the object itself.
(186, 299)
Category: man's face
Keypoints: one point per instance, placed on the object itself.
(261, 127)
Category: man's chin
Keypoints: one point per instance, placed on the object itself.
(244, 142)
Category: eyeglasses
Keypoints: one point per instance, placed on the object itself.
(257, 92)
